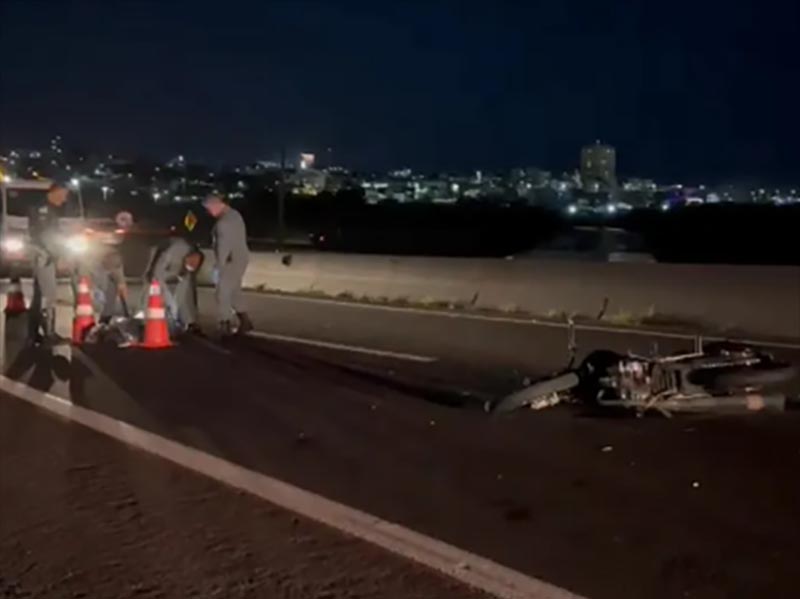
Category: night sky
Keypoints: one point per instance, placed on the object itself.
(684, 90)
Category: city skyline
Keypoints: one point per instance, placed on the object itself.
(684, 92)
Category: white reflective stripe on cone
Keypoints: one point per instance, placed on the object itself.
(84, 311)
(155, 289)
(83, 288)
(156, 313)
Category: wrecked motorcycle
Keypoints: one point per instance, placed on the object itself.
(715, 377)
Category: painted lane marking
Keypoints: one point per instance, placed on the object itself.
(531, 322)
(343, 347)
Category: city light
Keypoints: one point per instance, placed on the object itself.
(78, 244)
(611, 209)
(572, 209)
(664, 206)
(13, 245)
(75, 182)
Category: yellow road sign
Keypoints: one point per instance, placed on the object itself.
(190, 220)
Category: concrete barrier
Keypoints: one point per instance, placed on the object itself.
(759, 300)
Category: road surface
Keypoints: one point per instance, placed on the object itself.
(84, 516)
(381, 410)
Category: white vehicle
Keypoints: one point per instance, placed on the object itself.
(18, 196)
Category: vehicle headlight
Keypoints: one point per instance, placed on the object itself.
(12, 245)
(78, 244)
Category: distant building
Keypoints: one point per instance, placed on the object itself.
(177, 163)
(403, 173)
(307, 160)
(639, 185)
(308, 181)
(598, 166)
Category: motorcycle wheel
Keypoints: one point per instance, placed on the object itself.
(728, 348)
(593, 368)
(541, 389)
(752, 377)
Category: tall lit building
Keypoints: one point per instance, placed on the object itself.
(307, 160)
(599, 165)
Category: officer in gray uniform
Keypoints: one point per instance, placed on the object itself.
(109, 278)
(232, 255)
(109, 272)
(177, 260)
(47, 247)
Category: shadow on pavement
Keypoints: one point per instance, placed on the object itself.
(436, 394)
(40, 367)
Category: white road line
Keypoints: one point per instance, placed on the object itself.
(343, 347)
(521, 321)
(465, 567)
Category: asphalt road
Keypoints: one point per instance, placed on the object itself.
(84, 516)
(491, 353)
(389, 421)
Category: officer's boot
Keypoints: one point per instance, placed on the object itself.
(245, 324)
(36, 322)
(225, 329)
(194, 329)
(49, 321)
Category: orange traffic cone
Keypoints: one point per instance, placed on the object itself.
(156, 333)
(15, 299)
(84, 312)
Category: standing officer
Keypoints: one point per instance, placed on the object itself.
(109, 274)
(176, 260)
(47, 247)
(232, 255)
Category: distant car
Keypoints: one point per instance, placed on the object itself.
(82, 237)
(592, 244)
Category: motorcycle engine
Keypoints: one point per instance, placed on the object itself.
(632, 380)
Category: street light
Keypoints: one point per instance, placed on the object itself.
(76, 183)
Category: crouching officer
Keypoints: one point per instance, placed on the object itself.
(232, 255)
(47, 244)
(176, 262)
